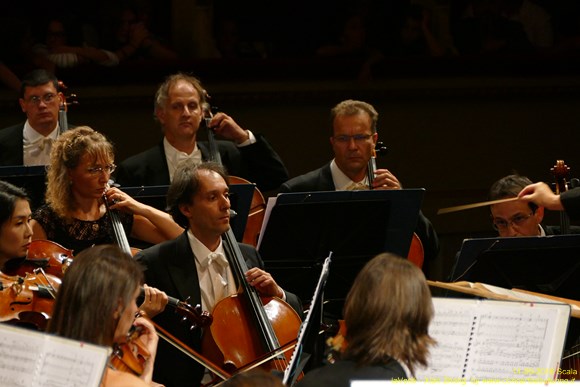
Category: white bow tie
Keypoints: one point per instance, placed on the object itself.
(195, 156)
(218, 258)
(40, 142)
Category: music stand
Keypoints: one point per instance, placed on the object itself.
(548, 264)
(240, 199)
(32, 178)
(355, 225)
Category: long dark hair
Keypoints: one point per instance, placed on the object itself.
(99, 280)
(9, 195)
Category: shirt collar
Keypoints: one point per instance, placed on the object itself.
(341, 181)
(200, 251)
(30, 135)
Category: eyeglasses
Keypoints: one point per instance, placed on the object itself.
(47, 98)
(358, 138)
(516, 220)
(98, 170)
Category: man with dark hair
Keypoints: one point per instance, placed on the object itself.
(30, 143)
(197, 265)
(518, 217)
(179, 107)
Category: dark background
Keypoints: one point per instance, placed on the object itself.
(453, 125)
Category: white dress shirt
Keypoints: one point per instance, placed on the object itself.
(342, 182)
(214, 276)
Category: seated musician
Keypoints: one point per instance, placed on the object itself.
(518, 217)
(386, 337)
(75, 215)
(196, 265)
(15, 229)
(353, 137)
(29, 143)
(179, 105)
(104, 311)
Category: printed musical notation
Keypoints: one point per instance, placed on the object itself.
(30, 358)
(485, 339)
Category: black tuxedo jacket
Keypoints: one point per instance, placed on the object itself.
(11, 139)
(170, 266)
(571, 202)
(258, 163)
(321, 180)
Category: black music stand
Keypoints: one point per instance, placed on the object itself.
(31, 178)
(355, 225)
(548, 264)
(240, 198)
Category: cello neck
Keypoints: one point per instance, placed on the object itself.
(239, 268)
(118, 230)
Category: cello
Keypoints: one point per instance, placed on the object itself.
(246, 326)
(258, 204)
(416, 252)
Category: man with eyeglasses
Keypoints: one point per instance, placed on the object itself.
(518, 217)
(353, 138)
(30, 143)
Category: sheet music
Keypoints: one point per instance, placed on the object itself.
(483, 340)
(30, 358)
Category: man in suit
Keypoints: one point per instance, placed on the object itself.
(353, 137)
(194, 266)
(520, 217)
(29, 143)
(179, 107)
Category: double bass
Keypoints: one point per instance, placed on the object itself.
(247, 327)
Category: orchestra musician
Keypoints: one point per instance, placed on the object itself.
(15, 229)
(96, 303)
(353, 137)
(29, 143)
(179, 103)
(542, 195)
(75, 215)
(386, 337)
(518, 217)
(196, 266)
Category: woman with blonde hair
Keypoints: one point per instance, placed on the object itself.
(75, 214)
(387, 314)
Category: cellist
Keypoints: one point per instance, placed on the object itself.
(196, 264)
(353, 138)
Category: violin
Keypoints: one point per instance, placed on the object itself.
(49, 256)
(258, 204)
(416, 252)
(246, 326)
(131, 355)
(28, 301)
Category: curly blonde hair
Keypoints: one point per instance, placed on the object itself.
(65, 155)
